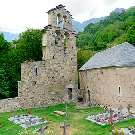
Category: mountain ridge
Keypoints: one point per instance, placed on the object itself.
(80, 27)
(77, 25)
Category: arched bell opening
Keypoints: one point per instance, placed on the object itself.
(66, 39)
(65, 22)
(59, 20)
(58, 36)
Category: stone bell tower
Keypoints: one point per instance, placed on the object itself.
(54, 80)
(59, 46)
(58, 35)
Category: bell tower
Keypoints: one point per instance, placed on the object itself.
(58, 35)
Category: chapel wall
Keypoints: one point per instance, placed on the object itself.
(104, 85)
(52, 78)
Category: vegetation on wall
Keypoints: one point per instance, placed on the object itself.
(114, 29)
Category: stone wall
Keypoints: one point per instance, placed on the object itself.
(9, 104)
(47, 82)
(110, 86)
(18, 103)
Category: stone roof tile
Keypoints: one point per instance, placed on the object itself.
(120, 55)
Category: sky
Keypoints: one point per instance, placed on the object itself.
(18, 15)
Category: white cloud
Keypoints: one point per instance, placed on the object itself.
(109, 2)
(16, 15)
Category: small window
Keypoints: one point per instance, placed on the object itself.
(36, 71)
(119, 90)
(53, 57)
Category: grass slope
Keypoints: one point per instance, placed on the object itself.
(76, 119)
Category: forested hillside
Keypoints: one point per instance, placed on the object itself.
(115, 29)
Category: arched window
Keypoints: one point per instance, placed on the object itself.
(66, 38)
(65, 22)
(57, 38)
(62, 22)
(119, 89)
(58, 20)
(36, 71)
(88, 95)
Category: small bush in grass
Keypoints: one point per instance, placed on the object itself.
(122, 133)
(115, 131)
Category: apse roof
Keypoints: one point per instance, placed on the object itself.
(119, 56)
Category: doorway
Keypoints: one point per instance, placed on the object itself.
(69, 93)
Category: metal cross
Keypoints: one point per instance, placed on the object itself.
(120, 109)
(42, 129)
(129, 106)
(64, 126)
(77, 102)
(13, 115)
(30, 119)
(111, 112)
(66, 109)
(92, 102)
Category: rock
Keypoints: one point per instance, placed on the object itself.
(60, 113)
(28, 123)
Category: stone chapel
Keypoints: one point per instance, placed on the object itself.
(108, 77)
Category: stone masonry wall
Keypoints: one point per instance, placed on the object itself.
(18, 103)
(10, 104)
(110, 86)
(47, 82)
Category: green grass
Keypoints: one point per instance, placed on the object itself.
(76, 119)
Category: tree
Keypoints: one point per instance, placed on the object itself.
(4, 83)
(30, 43)
(131, 35)
(83, 56)
(28, 47)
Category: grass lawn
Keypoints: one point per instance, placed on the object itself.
(76, 119)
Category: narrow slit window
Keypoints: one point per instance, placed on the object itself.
(119, 89)
(57, 21)
(36, 71)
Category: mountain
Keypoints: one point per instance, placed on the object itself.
(9, 36)
(77, 25)
(112, 30)
(118, 10)
(80, 27)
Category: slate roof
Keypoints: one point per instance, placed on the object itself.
(119, 56)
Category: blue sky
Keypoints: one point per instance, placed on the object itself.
(18, 15)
